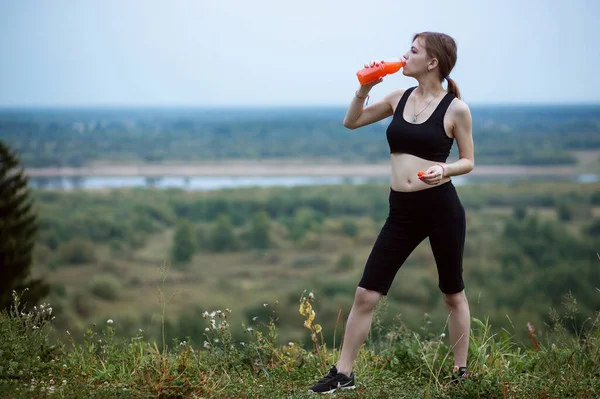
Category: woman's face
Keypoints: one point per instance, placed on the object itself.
(416, 59)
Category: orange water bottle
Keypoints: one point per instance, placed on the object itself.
(379, 70)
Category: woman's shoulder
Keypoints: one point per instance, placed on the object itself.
(459, 111)
(459, 107)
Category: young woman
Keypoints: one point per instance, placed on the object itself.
(426, 121)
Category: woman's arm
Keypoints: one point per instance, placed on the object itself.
(358, 116)
(463, 133)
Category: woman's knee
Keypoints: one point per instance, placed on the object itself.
(365, 299)
(454, 301)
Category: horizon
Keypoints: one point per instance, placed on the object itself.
(158, 107)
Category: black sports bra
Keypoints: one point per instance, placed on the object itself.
(427, 140)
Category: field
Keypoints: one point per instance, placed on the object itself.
(326, 257)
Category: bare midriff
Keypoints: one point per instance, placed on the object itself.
(404, 172)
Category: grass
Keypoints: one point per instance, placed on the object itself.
(396, 362)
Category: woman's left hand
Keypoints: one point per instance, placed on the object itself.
(433, 175)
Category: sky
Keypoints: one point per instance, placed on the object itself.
(205, 53)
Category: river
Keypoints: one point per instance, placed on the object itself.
(205, 183)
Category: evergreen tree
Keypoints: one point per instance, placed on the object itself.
(18, 226)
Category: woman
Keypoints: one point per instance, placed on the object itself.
(426, 121)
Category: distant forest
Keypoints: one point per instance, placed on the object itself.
(523, 135)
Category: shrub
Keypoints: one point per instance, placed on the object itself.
(106, 287)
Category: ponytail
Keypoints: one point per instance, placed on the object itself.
(452, 87)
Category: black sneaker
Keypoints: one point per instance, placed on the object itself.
(332, 382)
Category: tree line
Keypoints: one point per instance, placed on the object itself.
(525, 136)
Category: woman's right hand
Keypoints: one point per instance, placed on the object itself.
(364, 89)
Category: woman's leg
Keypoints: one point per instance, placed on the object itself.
(459, 326)
(447, 239)
(357, 328)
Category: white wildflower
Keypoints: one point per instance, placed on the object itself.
(442, 335)
(206, 344)
(206, 329)
(109, 322)
(265, 305)
(255, 318)
(311, 296)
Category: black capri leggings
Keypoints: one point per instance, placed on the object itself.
(436, 213)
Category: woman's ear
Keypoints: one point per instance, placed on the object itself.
(432, 64)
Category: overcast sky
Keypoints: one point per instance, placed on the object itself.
(277, 52)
